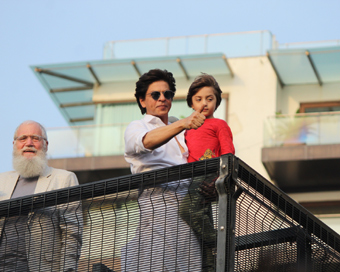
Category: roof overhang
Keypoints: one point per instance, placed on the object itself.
(306, 66)
(71, 85)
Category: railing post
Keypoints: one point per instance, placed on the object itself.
(304, 252)
(226, 217)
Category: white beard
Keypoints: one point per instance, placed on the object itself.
(29, 167)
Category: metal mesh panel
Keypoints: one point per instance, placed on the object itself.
(273, 233)
(154, 221)
(159, 221)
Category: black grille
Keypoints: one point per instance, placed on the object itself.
(159, 221)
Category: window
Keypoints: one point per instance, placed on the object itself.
(120, 113)
(320, 106)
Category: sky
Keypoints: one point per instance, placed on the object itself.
(40, 32)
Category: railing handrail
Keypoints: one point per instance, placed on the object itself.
(305, 114)
(287, 45)
(189, 36)
(280, 45)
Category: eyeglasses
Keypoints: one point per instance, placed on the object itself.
(169, 95)
(24, 138)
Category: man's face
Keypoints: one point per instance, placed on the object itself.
(159, 107)
(30, 145)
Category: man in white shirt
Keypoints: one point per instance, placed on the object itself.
(163, 242)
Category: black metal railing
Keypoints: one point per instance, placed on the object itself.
(170, 219)
(274, 232)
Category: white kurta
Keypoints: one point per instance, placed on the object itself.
(163, 241)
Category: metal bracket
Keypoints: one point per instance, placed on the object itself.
(227, 197)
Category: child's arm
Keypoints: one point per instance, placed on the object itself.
(226, 139)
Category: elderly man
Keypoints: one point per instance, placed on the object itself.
(48, 239)
(163, 241)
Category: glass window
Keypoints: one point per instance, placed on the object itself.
(320, 106)
(128, 112)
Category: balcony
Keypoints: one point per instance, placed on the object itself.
(254, 226)
(302, 152)
(93, 152)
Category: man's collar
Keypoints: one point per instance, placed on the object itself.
(47, 171)
(153, 119)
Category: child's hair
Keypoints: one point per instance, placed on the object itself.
(201, 81)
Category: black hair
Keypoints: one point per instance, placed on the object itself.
(150, 77)
(201, 81)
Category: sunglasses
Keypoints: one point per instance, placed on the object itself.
(169, 95)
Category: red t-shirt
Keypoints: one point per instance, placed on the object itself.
(211, 140)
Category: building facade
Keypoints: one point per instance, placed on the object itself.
(282, 102)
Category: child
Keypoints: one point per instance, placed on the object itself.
(212, 139)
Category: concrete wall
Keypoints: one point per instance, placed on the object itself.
(292, 96)
(252, 97)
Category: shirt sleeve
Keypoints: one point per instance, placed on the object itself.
(133, 138)
(225, 138)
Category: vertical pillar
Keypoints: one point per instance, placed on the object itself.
(227, 197)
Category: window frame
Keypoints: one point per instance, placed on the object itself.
(306, 105)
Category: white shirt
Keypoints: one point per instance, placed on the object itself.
(142, 159)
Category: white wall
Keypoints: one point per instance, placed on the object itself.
(252, 98)
(333, 221)
(292, 96)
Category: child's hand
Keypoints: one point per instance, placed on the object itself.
(208, 191)
(195, 120)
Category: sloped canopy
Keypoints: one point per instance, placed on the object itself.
(70, 85)
(306, 66)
